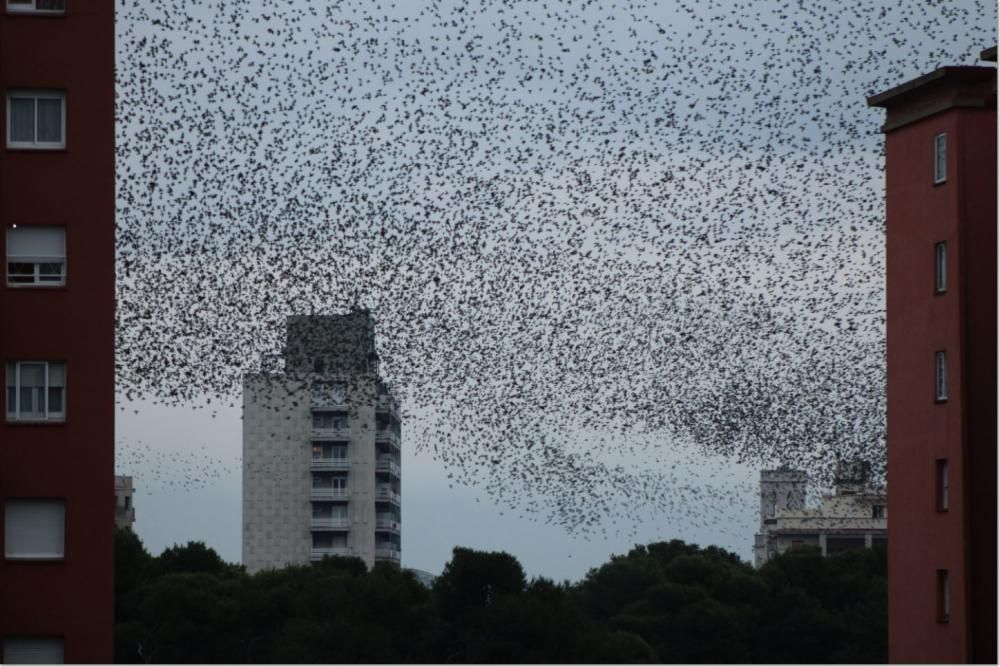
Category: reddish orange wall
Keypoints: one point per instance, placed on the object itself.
(919, 215)
(75, 460)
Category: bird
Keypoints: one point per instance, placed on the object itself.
(588, 232)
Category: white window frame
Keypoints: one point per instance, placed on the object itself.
(940, 158)
(36, 95)
(940, 376)
(37, 262)
(31, 7)
(48, 416)
(941, 267)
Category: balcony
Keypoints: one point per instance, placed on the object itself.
(387, 465)
(387, 404)
(329, 464)
(388, 436)
(341, 434)
(387, 553)
(124, 517)
(319, 553)
(331, 523)
(387, 524)
(387, 495)
(328, 493)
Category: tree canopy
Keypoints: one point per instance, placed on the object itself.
(662, 602)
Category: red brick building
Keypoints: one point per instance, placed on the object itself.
(941, 313)
(57, 209)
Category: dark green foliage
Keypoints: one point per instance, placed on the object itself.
(664, 602)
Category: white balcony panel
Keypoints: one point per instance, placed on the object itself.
(387, 554)
(329, 464)
(336, 434)
(328, 493)
(331, 523)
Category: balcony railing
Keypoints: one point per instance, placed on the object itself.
(387, 494)
(331, 522)
(387, 524)
(319, 553)
(324, 463)
(386, 403)
(124, 516)
(387, 465)
(342, 434)
(387, 553)
(326, 493)
(387, 435)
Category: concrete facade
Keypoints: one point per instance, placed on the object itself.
(124, 506)
(321, 443)
(854, 517)
(940, 170)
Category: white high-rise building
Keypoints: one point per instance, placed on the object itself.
(321, 450)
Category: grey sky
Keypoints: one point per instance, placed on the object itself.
(740, 123)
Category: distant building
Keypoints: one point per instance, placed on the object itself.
(424, 577)
(855, 517)
(941, 340)
(124, 509)
(321, 450)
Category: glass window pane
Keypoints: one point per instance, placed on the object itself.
(57, 375)
(49, 270)
(20, 272)
(50, 120)
(11, 393)
(51, 5)
(22, 119)
(55, 400)
(32, 375)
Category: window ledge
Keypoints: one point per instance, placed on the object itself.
(35, 422)
(31, 286)
(31, 148)
(35, 559)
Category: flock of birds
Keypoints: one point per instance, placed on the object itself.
(601, 239)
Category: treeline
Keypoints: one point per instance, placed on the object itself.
(664, 602)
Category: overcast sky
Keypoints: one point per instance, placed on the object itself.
(815, 135)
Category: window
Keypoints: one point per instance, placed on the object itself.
(339, 482)
(943, 597)
(36, 255)
(942, 485)
(36, 391)
(940, 376)
(878, 511)
(941, 267)
(36, 6)
(33, 651)
(327, 451)
(329, 393)
(34, 529)
(329, 420)
(36, 119)
(940, 158)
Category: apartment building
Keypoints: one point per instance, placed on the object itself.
(853, 517)
(321, 450)
(124, 507)
(941, 312)
(57, 209)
